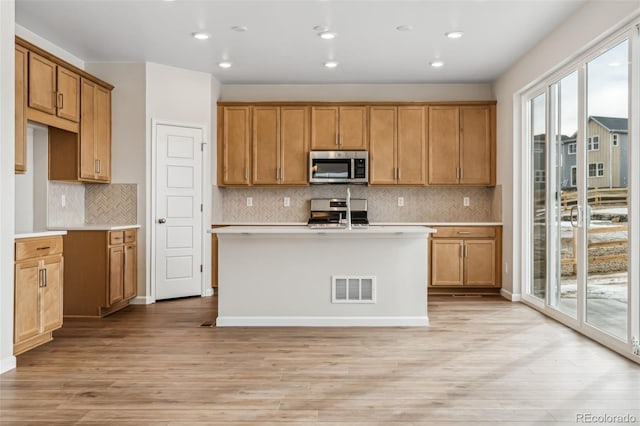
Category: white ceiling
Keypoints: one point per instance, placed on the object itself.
(280, 45)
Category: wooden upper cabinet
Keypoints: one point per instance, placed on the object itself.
(88, 166)
(383, 145)
(444, 145)
(324, 128)
(353, 128)
(280, 145)
(234, 132)
(95, 133)
(102, 123)
(53, 89)
(411, 162)
(462, 145)
(266, 145)
(339, 128)
(21, 110)
(397, 145)
(68, 95)
(294, 145)
(42, 84)
(475, 146)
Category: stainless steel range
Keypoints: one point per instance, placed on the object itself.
(332, 213)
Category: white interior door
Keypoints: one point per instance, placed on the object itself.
(178, 221)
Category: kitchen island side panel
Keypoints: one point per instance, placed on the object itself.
(285, 280)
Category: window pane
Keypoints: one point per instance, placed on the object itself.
(607, 219)
(539, 141)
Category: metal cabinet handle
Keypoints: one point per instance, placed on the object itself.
(162, 220)
(46, 277)
(246, 173)
(464, 232)
(399, 174)
(61, 97)
(43, 248)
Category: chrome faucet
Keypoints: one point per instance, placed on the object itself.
(348, 208)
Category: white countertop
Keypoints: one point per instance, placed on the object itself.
(40, 234)
(303, 229)
(372, 224)
(96, 227)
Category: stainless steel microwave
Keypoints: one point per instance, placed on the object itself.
(338, 167)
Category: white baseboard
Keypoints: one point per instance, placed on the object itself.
(208, 292)
(233, 321)
(142, 300)
(8, 363)
(510, 296)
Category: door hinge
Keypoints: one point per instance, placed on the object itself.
(201, 207)
(202, 147)
(200, 268)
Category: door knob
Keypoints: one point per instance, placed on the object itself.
(162, 220)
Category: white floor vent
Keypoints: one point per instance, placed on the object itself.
(353, 289)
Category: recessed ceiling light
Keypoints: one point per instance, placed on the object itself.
(436, 64)
(240, 28)
(201, 36)
(224, 64)
(327, 35)
(404, 27)
(454, 34)
(321, 28)
(331, 64)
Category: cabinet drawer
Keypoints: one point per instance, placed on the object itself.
(116, 237)
(130, 236)
(464, 232)
(29, 248)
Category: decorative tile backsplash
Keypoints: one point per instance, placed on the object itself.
(72, 213)
(111, 204)
(421, 204)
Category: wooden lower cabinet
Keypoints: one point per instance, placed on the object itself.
(466, 260)
(38, 291)
(101, 272)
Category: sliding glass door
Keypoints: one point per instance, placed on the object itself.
(579, 150)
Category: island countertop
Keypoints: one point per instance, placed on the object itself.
(305, 230)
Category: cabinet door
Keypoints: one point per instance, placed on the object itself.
(88, 163)
(382, 145)
(116, 274)
(479, 262)
(235, 145)
(444, 143)
(21, 113)
(102, 124)
(411, 146)
(475, 146)
(68, 95)
(51, 294)
(130, 271)
(294, 145)
(446, 263)
(27, 301)
(266, 141)
(353, 128)
(42, 84)
(324, 128)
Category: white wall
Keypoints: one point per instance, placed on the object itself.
(179, 96)
(574, 35)
(24, 184)
(356, 92)
(45, 44)
(128, 139)
(7, 188)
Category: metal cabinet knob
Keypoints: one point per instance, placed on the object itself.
(162, 220)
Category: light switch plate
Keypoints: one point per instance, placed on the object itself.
(465, 201)
(400, 201)
(249, 201)
(287, 202)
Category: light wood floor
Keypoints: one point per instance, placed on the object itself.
(484, 361)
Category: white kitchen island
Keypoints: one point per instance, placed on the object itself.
(296, 276)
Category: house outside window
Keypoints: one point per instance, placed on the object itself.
(574, 176)
(614, 139)
(593, 143)
(596, 170)
(539, 176)
(572, 148)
